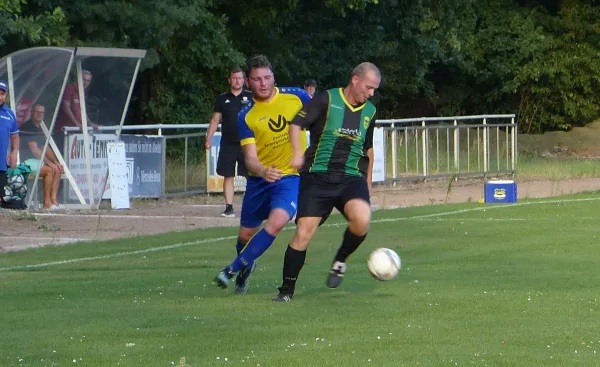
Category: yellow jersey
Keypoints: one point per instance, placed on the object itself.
(266, 124)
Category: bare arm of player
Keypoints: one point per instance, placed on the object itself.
(212, 127)
(310, 113)
(370, 170)
(253, 164)
(297, 160)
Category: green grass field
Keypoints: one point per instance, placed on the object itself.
(481, 285)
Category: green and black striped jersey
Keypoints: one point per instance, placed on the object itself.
(340, 134)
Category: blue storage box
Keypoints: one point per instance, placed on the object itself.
(500, 192)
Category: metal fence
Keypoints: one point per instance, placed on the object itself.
(186, 174)
(458, 146)
(423, 148)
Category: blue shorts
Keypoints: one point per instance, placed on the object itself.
(262, 197)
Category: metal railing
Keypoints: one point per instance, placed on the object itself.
(419, 148)
(455, 146)
(176, 179)
(197, 185)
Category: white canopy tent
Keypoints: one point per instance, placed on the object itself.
(41, 76)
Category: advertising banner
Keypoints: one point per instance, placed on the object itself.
(98, 162)
(378, 155)
(143, 159)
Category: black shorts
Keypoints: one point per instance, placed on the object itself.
(3, 181)
(320, 193)
(229, 154)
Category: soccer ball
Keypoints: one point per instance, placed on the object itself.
(22, 190)
(384, 264)
(15, 182)
(8, 194)
(8, 191)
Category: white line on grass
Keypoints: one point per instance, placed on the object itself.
(114, 216)
(118, 254)
(475, 219)
(217, 239)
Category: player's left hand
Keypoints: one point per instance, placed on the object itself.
(297, 161)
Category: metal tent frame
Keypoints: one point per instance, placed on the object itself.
(45, 61)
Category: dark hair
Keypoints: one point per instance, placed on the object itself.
(235, 70)
(310, 83)
(257, 62)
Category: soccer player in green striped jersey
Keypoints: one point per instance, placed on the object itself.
(335, 171)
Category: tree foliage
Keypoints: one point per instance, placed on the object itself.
(560, 87)
(538, 59)
(22, 27)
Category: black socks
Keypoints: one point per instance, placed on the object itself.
(349, 244)
(292, 264)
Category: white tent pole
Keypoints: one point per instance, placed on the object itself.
(11, 94)
(118, 132)
(11, 84)
(86, 138)
(50, 140)
(133, 78)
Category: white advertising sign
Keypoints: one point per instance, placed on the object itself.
(379, 155)
(119, 175)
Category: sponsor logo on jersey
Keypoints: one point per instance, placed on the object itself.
(353, 134)
(279, 125)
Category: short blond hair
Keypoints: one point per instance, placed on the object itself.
(363, 68)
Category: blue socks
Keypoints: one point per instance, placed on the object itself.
(257, 245)
(239, 246)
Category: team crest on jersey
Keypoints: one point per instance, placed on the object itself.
(245, 99)
(366, 122)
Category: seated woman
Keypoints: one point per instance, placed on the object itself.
(50, 169)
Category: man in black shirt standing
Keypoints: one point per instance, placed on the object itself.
(227, 107)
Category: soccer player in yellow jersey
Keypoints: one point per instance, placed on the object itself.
(272, 186)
